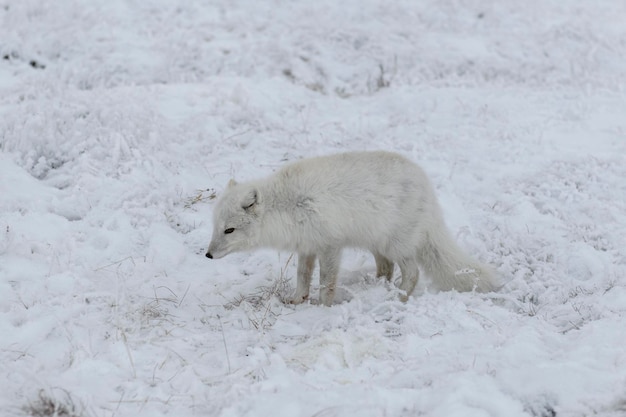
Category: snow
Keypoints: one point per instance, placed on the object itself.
(121, 121)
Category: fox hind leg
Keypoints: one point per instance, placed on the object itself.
(410, 276)
(306, 264)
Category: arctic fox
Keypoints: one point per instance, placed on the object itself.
(379, 201)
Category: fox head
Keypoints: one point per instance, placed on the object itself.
(234, 220)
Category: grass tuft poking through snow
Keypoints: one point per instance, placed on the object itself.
(47, 405)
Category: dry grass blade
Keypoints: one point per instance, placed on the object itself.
(200, 196)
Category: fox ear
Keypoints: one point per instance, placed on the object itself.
(232, 182)
(249, 200)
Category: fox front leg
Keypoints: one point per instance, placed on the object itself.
(306, 264)
(384, 267)
(329, 268)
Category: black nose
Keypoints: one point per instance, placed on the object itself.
(208, 255)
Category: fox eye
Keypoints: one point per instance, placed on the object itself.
(229, 230)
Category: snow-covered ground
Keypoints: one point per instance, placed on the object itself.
(121, 120)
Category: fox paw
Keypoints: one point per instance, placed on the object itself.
(297, 299)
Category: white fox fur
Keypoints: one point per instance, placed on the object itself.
(378, 201)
